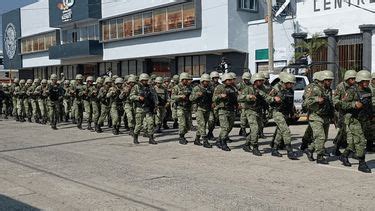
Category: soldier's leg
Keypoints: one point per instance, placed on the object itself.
(14, 107)
(211, 125)
(102, 118)
(158, 119)
(150, 120)
(252, 137)
(285, 135)
(174, 116)
(95, 113)
(369, 130)
(224, 130)
(182, 125)
(243, 123)
(318, 129)
(307, 138)
(139, 117)
(130, 116)
(115, 119)
(201, 130)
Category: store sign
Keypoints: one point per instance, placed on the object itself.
(65, 7)
(10, 40)
(323, 5)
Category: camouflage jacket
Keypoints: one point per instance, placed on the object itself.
(230, 102)
(163, 96)
(325, 109)
(356, 94)
(255, 103)
(286, 106)
(202, 96)
(180, 95)
(150, 101)
(339, 94)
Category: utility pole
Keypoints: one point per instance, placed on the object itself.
(270, 36)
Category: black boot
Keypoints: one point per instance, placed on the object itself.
(135, 139)
(345, 161)
(22, 119)
(337, 151)
(246, 147)
(131, 131)
(29, 119)
(206, 144)
(158, 130)
(309, 155)
(261, 134)
(99, 129)
(53, 127)
(66, 118)
(276, 153)
(242, 132)
(152, 140)
(224, 145)
(256, 151)
(291, 155)
(115, 130)
(89, 126)
(74, 120)
(210, 135)
(182, 140)
(175, 124)
(165, 125)
(197, 141)
(110, 123)
(218, 143)
(363, 166)
(17, 118)
(320, 159)
(304, 145)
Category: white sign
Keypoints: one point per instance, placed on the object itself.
(10, 40)
(322, 5)
(66, 11)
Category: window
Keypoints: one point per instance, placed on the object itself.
(251, 5)
(24, 46)
(189, 15)
(38, 43)
(174, 17)
(48, 41)
(105, 30)
(194, 65)
(300, 84)
(83, 33)
(147, 23)
(29, 44)
(35, 44)
(138, 24)
(113, 29)
(120, 28)
(160, 20)
(128, 26)
(41, 43)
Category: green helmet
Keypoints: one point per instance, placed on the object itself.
(132, 75)
(282, 74)
(89, 78)
(159, 80)
(44, 81)
(373, 75)
(289, 78)
(36, 80)
(266, 74)
(326, 75)
(233, 75)
(227, 76)
(22, 81)
(66, 82)
(175, 78)
(144, 77)
(114, 77)
(107, 80)
(185, 76)
(79, 77)
(350, 74)
(166, 79)
(126, 78)
(72, 82)
(246, 76)
(205, 77)
(214, 74)
(257, 77)
(316, 76)
(53, 77)
(132, 79)
(29, 81)
(153, 77)
(99, 80)
(119, 80)
(363, 75)
(16, 80)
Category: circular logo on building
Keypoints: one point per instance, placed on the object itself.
(10, 40)
(68, 3)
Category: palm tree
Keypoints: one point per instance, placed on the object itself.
(309, 48)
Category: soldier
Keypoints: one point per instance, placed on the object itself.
(88, 93)
(357, 105)
(166, 83)
(20, 93)
(252, 98)
(214, 114)
(128, 104)
(320, 106)
(202, 96)
(116, 105)
(95, 102)
(55, 94)
(370, 143)
(225, 99)
(180, 95)
(41, 95)
(27, 100)
(341, 90)
(34, 101)
(264, 109)
(145, 101)
(2, 98)
(173, 83)
(283, 108)
(66, 100)
(241, 86)
(12, 88)
(7, 101)
(78, 93)
(163, 99)
(105, 103)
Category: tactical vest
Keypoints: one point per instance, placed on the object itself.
(54, 93)
(287, 101)
(148, 103)
(366, 113)
(231, 101)
(205, 101)
(187, 92)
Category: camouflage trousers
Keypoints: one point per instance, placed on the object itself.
(252, 117)
(54, 109)
(282, 132)
(174, 111)
(43, 108)
(243, 119)
(358, 131)
(307, 136)
(160, 115)
(214, 117)
(147, 118)
(73, 109)
(129, 113)
(226, 119)
(28, 108)
(78, 104)
(320, 127)
(14, 106)
(35, 109)
(103, 114)
(202, 116)
(116, 114)
(95, 111)
(184, 120)
(88, 110)
(67, 106)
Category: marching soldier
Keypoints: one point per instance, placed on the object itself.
(66, 100)
(7, 101)
(55, 94)
(241, 86)
(41, 94)
(145, 100)
(20, 93)
(12, 89)
(95, 102)
(105, 103)
(163, 99)
(173, 83)
(202, 96)
(78, 100)
(214, 114)
(88, 92)
(225, 99)
(73, 106)
(128, 104)
(27, 100)
(180, 95)
(116, 105)
(168, 110)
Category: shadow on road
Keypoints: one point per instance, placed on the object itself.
(7, 203)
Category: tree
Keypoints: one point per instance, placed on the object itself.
(309, 48)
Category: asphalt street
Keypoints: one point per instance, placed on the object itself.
(71, 169)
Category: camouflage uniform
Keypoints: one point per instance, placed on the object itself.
(163, 99)
(95, 102)
(7, 101)
(12, 88)
(128, 104)
(79, 95)
(105, 103)
(243, 119)
(27, 101)
(55, 93)
(20, 93)
(41, 94)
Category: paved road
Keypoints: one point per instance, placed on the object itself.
(71, 169)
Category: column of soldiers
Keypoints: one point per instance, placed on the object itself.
(144, 104)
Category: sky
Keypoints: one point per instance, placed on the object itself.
(8, 5)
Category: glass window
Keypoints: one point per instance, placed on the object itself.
(48, 40)
(138, 24)
(120, 28)
(189, 15)
(249, 4)
(202, 64)
(139, 67)
(180, 64)
(174, 17)
(29, 45)
(147, 23)
(132, 67)
(41, 43)
(113, 29)
(24, 46)
(160, 20)
(53, 38)
(105, 30)
(188, 66)
(125, 68)
(91, 32)
(35, 44)
(128, 26)
(83, 33)
(196, 71)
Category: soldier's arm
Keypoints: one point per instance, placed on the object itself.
(348, 101)
(336, 98)
(175, 95)
(194, 94)
(134, 93)
(243, 95)
(268, 98)
(217, 94)
(312, 97)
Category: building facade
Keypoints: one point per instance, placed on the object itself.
(347, 26)
(164, 37)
